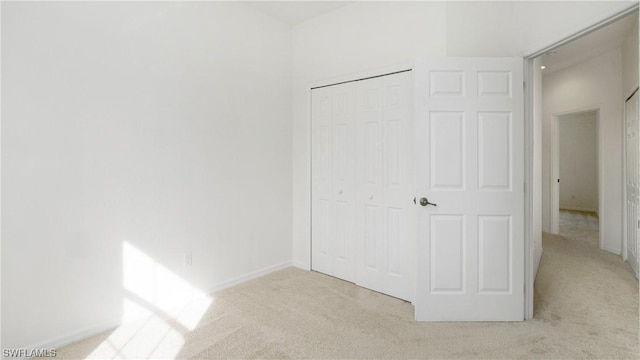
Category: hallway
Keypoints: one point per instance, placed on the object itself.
(582, 290)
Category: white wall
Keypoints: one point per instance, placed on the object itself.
(369, 35)
(166, 125)
(630, 62)
(592, 84)
(578, 161)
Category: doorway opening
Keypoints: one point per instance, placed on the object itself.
(589, 71)
(575, 154)
(576, 200)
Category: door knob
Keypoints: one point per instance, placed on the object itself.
(424, 202)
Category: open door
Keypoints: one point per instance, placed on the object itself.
(470, 181)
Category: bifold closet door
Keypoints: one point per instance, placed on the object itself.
(363, 227)
(385, 210)
(333, 176)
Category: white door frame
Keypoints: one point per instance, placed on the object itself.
(529, 261)
(555, 166)
(627, 95)
(528, 132)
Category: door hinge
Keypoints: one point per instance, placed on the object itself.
(638, 223)
(524, 187)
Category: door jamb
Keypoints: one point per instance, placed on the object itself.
(627, 96)
(529, 263)
(528, 143)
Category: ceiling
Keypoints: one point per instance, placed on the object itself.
(580, 50)
(294, 12)
(591, 45)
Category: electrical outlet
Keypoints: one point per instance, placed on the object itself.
(188, 259)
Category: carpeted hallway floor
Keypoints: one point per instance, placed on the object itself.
(586, 307)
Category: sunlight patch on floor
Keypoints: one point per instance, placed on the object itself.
(159, 309)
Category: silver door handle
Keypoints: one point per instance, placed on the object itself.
(424, 202)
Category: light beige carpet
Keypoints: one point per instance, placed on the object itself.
(586, 307)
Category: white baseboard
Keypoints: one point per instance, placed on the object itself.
(75, 336)
(538, 260)
(617, 252)
(249, 276)
(578, 209)
(90, 331)
(301, 265)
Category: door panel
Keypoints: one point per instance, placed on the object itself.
(494, 150)
(447, 254)
(447, 161)
(398, 187)
(333, 183)
(469, 146)
(370, 192)
(632, 187)
(371, 232)
(394, 241)
(385, 186)
(495, 242)
(322, 202)
(343, 188)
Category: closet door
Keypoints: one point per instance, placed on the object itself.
(386, 222)
(363, 223)
(321, 181)
(333, 181)
(398, 187)
(343, 172)
(370, 202)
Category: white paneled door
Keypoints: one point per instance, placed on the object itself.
(363, 219)
(333, 180)
(470, 154)
(632, 146)
(385, 177)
